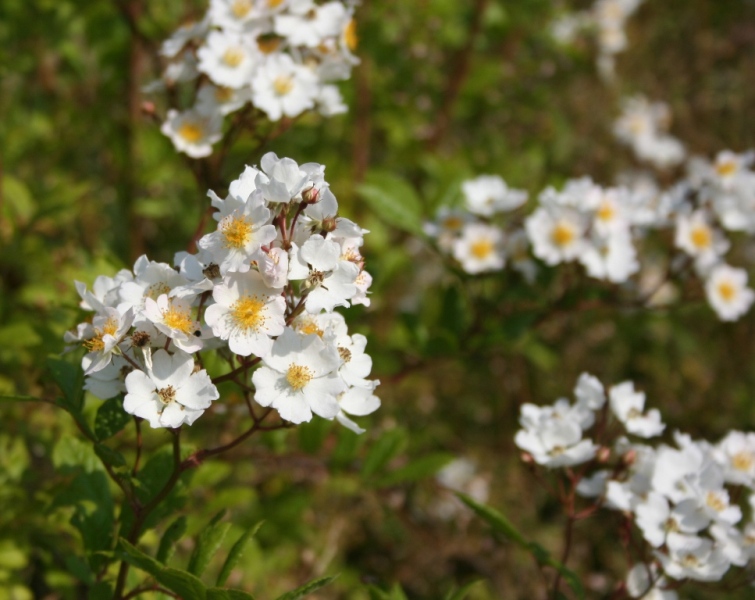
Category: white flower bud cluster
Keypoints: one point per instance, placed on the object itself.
(261, 291)
(604, 229)
(680, 497)
(282, 56)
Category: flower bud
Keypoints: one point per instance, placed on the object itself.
(148, 108)
(629, 457)
(311, 195)
(329, 224)
(527, 458)
(604, 454)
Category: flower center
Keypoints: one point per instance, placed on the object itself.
(714, 501)
(166, 395)
(727, 291)
(233, 57)
(350, 35)
(236, 230)
(742, 461)
(179, 318)
(562, 234)
(452, 223)
(241, 8)
(690, 561)
(701, 237)
(157, 289)
(298, 376)
(606, 212)
(191, 132)
(481, 249)
(274, 3)
(283, 84)
(309, 327)
(96, 343)
(247, 312)
(345, 354)
(268, 43)
(727, 167)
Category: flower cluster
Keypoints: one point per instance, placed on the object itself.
(643, 127)
(680, 497)
(607, 229)
(282, 56)
(261, 292)
(607, 19)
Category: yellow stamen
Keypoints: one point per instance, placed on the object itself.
(562, 234)
(606, 212)
(283, 84)
(241, 8)
(157, 289)
(345, 354)
(481, 248)
(233, 57)
(298, 376)
(701, 236)
(714, 501)
(742, 461)
(350, 35)
(309, 327)
(236, 231)
(727, 167)
(274, 3)
(727, 291)
(191, 132)
(166, 394)
(247, 312)
(179, 318)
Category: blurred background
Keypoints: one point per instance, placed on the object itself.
(445, 91)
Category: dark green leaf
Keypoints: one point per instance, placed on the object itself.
(111, 418)
(306, 589)
(171, 536)
(7, 398)
(207, 544)
(184, 584)
(389, 445)
(393, 200)
(101, 591)
(70, 379)
(235, 554)
(418, 469)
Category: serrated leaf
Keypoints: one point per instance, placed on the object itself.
(393, 200)
(306, 589)
(224, 594)
(235, 554)
(208, 542)
(184, 584)
(388, 446)
(417, 469)
(111, 418)
(171, 536)
(461, 593)
(502, 525)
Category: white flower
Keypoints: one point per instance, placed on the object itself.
(193, 132)
(218, 99)
(308, 24)
(489, 194)
(170, 393)
(656, 518)
(628, 406)
(447, 226)
(300, 377)
(356, 365)
(736, 454)
(282, 179)
(479, 248)
(556, 234)
(235, 15)
(173, 317)
(727, 292)
(227, 59)
(692, 557)
(281, 87)
(246, 313)
(241, 231)
(612, 258)
(699, 239)
(104, 291)
(590, 392)
(151, 279)
(108, 381)
(643, 582)
(108, 330)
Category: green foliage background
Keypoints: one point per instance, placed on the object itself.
(88, 184)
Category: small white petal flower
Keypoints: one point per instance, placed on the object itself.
(727, 292)
(479, 248)
(169, 393)
(173, 317)
(193, 132)
(489, 194)
(628, 406)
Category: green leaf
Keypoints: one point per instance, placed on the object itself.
(171, 536)
(418, 469)
(389, 445)
(502, 525)
(207, 544)
(224, 594)
(101, 591)
(184, 584)
(111, 418)
(393, 200)
(112, 458)
(377, 594)
(397, 593)
(236, 552)
(306, 589)
(461, 593)
(70, 380)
